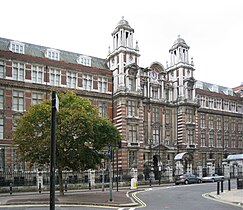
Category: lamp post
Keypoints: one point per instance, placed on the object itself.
(225, 153)
(157, 125)
(110, 172)
(55, 107)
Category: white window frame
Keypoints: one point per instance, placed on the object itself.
(71, 79)
(2, 68)
(203, 138)
(84, 60)
(18, 101)
(132, 83)
(1, 126)
(155, 92)
(87, 82)
(219, 140)
(131, 108)
(226, 105)
(1, 98)
(190, 136)
(102, 85)
(37, 74)
(155, 114)
(55, 77)
(102, 107)
(211, 103)
(36, 98)
(155, 136)
(53, 54)
(203, 101)
(18, 71)
(132, 133)
(219, 104)
(17, 47)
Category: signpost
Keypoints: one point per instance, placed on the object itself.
(55, 107)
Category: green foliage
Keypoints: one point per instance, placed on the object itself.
(80, 133)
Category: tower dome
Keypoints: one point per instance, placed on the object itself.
(123, 24)
(179, 42)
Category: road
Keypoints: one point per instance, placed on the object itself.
(183, 197)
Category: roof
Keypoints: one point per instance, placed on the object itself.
(235, 157)
(179, 156)
(179, 42)
(39, 51)
(214, 88)
(123, 24)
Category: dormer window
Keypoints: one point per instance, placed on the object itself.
(16, 47)
(84, 60)
(228, 92)
(53, 54)
(214, 88)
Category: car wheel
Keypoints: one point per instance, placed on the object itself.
(199, 181)
(213, 180)
(186, 182)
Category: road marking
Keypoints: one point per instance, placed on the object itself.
(134, 195)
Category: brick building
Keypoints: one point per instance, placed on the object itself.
(170, 123)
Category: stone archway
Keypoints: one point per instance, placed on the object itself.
(184, 162)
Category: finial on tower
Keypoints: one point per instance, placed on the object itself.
(192, 63)
(137, 48)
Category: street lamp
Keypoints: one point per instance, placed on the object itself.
(211, 153)
(157, 125)
(225, 153)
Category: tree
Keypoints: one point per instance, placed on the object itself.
(80, 134)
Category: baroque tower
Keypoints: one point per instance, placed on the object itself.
(123, 61)
(122, 55)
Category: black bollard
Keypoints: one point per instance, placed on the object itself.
(89, 185)
(229, 186)
(11, 188)
(65, 185)
(39, 187)
(218, 188)
(222, 186)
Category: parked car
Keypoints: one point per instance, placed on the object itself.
(187, 179)
(213, 178)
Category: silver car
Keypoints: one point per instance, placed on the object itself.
(213, 178)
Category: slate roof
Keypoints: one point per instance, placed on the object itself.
(210, 87)
(39, 51)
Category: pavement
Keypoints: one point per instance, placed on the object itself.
(233, 197)
(121, 198)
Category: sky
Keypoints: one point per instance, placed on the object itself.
(212, 28)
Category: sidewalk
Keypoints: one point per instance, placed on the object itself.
(94, 197)
(234, 196)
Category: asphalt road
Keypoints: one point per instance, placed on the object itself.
(182, 197)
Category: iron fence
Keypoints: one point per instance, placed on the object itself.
(29, 178)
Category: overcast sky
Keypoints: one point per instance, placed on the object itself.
(212, 28)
